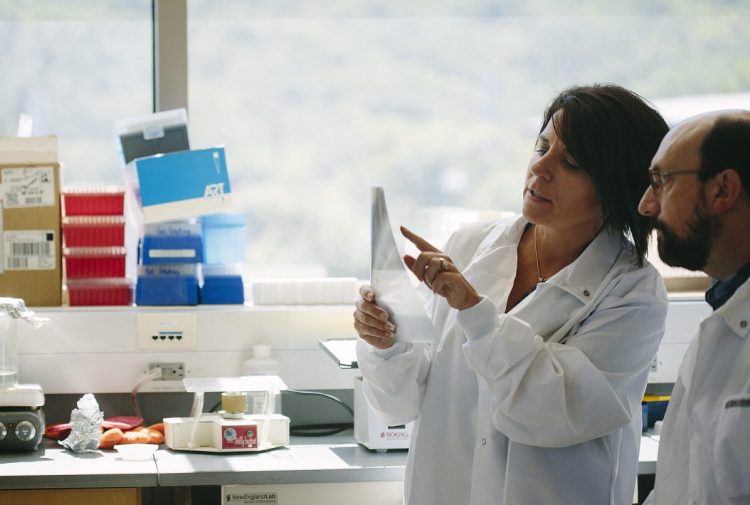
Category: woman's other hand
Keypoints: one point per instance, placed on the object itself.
(371, 322)
(439, 273)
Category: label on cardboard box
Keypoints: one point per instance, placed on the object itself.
(30, 259)
(28, 187)
(29, 250)
(239, 437)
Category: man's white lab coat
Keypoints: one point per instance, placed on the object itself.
(537, 407)
(704, 448)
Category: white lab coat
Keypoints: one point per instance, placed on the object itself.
(537, 407)
(704, 448)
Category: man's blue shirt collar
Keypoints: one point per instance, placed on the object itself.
(721, 291)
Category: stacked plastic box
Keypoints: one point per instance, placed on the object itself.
(169, 260)
(172, 184)
(224, 254)
(93, 228)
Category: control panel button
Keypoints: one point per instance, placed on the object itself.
(3, 431)
(25, 431)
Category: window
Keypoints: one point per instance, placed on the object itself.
(317, 101)
(76, 67)
(439, 102)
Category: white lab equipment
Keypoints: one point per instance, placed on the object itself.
(229, 430)
(369, 430)
(683, 318)
(21, 415)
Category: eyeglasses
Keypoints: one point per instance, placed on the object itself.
(660, 177)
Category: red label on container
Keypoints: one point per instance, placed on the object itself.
(239, 437)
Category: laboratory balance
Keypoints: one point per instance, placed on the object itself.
(231, 429)
(21, 415)
(369, 430)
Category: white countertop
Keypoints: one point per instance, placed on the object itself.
(648, 453)
(327, 459)
(52, 466)
(338, 459)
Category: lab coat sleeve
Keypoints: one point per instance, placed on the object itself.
(394, 379)
(555, 395)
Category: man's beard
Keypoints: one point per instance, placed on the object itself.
(691, 251)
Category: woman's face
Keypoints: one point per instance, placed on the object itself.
(558, 193)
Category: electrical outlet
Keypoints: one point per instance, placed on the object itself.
(167, 331)
(169, 371)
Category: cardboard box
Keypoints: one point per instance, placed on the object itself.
(30, 238)
(181, 185)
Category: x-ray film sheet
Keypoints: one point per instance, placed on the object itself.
(389, 278)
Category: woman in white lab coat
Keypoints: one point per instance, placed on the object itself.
(548, 326)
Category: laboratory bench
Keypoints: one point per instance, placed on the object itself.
(305, 460)
(52, 474)
(337, 459)
(102, 477)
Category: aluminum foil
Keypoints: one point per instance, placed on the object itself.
(86, 420)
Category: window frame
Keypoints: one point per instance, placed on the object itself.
(170, 58)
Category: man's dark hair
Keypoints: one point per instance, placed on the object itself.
(727, 145)
(613, 134)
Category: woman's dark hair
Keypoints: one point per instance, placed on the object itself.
(613, 134)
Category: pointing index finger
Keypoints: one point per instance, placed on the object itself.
(418, 241)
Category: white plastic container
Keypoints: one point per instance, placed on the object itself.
(261, 364)
(160, 132)
(324, 291)
(136, 452)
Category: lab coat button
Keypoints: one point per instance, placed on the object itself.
(586, 292)
(743, 324)
(484, 441)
